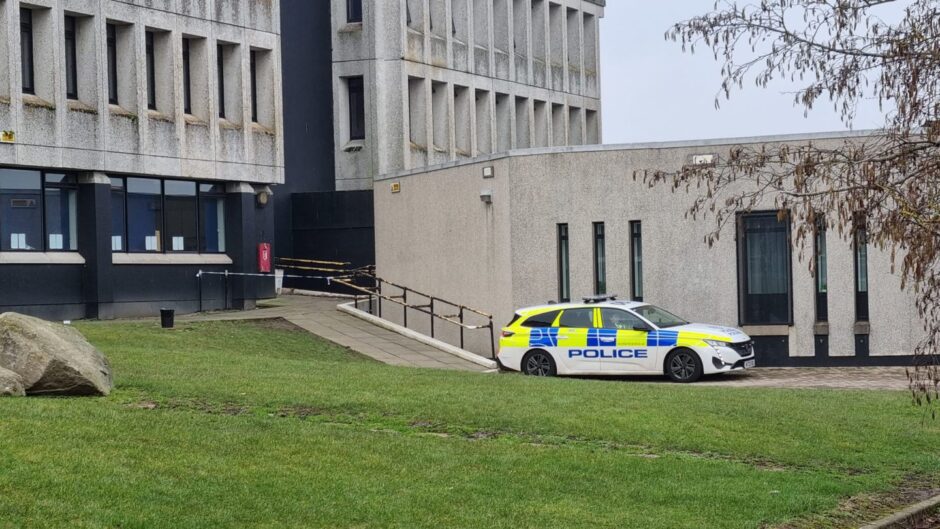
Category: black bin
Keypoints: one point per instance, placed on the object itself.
(166, 318)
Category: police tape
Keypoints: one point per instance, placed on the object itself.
(329, 279)
(310, 261)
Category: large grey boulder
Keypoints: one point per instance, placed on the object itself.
(11, 385)
(52, 359)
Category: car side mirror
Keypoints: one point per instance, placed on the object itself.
(643, 328)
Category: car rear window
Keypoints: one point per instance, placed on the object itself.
(544, 319)
(577, 318)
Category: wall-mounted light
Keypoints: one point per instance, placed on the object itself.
(488, 172)
(263, 196)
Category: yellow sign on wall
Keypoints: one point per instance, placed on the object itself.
(396, 187)
(7, 136)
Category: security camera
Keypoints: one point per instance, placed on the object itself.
(486, 196)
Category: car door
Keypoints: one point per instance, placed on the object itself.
(631, 352)
(573, 327)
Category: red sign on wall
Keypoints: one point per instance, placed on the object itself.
(264, 258)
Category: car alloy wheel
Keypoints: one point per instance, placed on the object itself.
(684, 366)
(539, 364)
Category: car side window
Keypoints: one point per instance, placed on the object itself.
(577, 318)
(546, 319)
(620, 320)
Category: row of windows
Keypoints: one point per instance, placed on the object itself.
(764, 268)
(39, 210)
(153, 71)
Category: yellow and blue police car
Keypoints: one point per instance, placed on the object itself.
(604, 336)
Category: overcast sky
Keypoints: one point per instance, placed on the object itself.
(652, 91)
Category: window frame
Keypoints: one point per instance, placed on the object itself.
(187, 77)
(70, 27)
(860, 242)
(599, 236)
(636, 261)
(111, 44)
(43, 228)
(151, 70)
(200, 242)
(563, 241)
(821, 279)
(742, 284)
(27, 64)
(357, 127)
(253, 79)
(353, 11)
(220, 80)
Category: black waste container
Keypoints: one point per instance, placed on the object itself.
(166, 318)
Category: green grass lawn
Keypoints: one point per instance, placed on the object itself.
(259, 425)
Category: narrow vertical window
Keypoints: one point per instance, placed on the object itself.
(353, 11)
(118, 215)
(112, 64)
(861, 274)
(181, 213)
(220, 64)
(187, 80)
(212, 218)
(151, 73)
(144, 214)
(26, 50)
(357, 104)
(61, 212)
(822, 278)
(636, 261)
(764, 269)
(564, 265)
(600, 260)
(71, 69)
(254, 85)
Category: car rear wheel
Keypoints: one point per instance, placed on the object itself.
(539, 363)
(683, 365)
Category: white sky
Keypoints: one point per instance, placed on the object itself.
(652, 91)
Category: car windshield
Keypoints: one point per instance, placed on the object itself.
(659, 317)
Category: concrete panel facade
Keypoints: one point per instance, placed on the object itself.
(504, 255)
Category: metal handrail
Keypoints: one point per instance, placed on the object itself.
(375, 293)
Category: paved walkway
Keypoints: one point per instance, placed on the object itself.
(319, 316)
(814, 378)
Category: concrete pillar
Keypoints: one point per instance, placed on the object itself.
(94, 244)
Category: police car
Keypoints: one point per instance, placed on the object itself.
(604, 336)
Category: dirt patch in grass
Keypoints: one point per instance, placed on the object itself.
(867, 508)
(274, 324)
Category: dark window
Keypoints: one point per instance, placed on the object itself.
(151, 73)
(545, 319)
(636, 261)
(861, 274)
(118, 215)
(357, 107)
(112, 64)
(353, 10)
(564, 265)
(220, 65)
(187, 80)
(61, 206)
(20, 210)
(144, 215)
(600, 260)
(180, 216)
(577, 318)
(822, 277)
(254, 85)
(26, 50)
(764, 269)
(212, 218)
(621, 320)
(71, 69)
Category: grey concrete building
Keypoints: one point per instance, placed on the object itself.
(528, 226)
(422, 82)
(141, 141)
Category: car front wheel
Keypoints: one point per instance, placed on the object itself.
(539, 364)
(683, 365)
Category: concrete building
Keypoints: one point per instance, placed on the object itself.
(141, 140)
(524, 227)
(423, 82)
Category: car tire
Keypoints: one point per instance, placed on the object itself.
(683, 365)
(539, 363)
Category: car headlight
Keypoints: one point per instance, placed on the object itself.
(717, 344)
